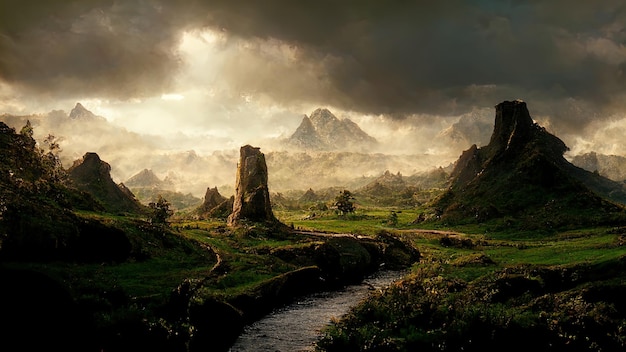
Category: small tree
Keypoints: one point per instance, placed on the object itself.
(160, 211)
(50, 157)
(343, 202)
(27, 130)
(392, 219)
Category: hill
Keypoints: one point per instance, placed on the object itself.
(522, 175)
(391, 189)
(147, 187)
(92, 175)
(38, 204)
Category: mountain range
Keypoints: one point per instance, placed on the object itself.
(326, 150)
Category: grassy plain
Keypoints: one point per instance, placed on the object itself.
(481, 285)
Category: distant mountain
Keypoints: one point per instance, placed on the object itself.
(522, 175)
(394, 189)
(609, 166)
(80, 112)
(471, 128)
(386, 184)
(147, 179)
(92, 175)
(147, 187)
(351, 170)
(324, 131)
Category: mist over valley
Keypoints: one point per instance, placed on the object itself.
(186, 176)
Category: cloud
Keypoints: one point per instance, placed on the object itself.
(94, 48)
(397, 59)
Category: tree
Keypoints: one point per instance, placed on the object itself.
(50, 157)
(27, 130)
(392, 219)
(52, 142)
(343, 202)
(160, 211)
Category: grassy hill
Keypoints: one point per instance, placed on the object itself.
(522, 180)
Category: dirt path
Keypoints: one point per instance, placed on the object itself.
(434, 232)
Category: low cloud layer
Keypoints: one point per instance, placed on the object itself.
(401, 60)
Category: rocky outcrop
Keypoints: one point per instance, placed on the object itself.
(215, 205)
(92, 175)
(212, 198)
(522, 172)
(252, 197)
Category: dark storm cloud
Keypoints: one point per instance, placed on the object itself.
(411, 56)
(120, 49)
(384, 57)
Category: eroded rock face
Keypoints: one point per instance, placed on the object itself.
(212, 198)
(252, 197)
(513, 125)
(92, 175)
(215, 205)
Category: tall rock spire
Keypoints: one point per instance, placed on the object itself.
(513, 125)
(252, 197)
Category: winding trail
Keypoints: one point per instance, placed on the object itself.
(434, 232)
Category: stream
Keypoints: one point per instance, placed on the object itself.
(296, 327)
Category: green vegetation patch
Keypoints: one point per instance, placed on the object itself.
(521, 308)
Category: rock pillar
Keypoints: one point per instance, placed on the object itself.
(252, 198)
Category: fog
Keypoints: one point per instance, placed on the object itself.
(195, 80)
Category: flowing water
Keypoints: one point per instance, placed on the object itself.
(296, 327)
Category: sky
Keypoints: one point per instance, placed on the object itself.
(220, 73)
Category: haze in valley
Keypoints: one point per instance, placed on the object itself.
(178, 86)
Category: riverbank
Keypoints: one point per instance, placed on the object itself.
(324, 263)
(297, 326)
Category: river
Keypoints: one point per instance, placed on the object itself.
(296, 327)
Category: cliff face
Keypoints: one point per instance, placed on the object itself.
(252, 198)
(92, 175)
(522, 172)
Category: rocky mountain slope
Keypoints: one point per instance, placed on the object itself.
(610, 166)
(324, 131)
(146, 178)
(522, 174)
(92, 175)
